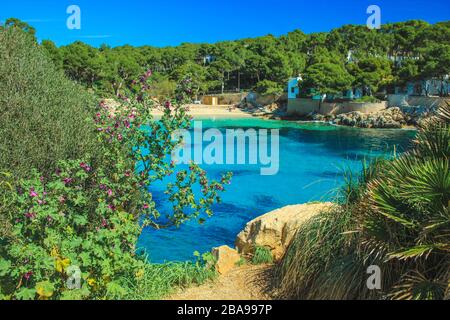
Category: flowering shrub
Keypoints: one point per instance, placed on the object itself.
(73, 234)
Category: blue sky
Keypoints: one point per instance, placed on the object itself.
(171, 22)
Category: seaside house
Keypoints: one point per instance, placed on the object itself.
(308, 102)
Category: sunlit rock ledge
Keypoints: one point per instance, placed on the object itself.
(275, 230)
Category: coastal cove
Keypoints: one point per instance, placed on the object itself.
(313, 160)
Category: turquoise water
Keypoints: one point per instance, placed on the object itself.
(312, 160)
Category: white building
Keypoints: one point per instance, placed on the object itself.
(293, 87)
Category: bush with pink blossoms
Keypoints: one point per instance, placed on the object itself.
(85, 219)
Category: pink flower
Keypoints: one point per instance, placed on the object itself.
(110, 192)
(104, 223)
(62, 200)
(120, 137)
(28, 275)
(30, 215)
(67, 180)
(33, 194)
(86, 167)
(167, 104)
(146, 206)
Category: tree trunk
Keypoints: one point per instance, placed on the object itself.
(239, 80)
(223, 82)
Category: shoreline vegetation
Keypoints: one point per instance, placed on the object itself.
(74, 173)
(351, 57)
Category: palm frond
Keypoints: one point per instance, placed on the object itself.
(416, 252)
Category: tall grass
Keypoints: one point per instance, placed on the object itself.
(262, 255)
(160, 280)
(322, 256)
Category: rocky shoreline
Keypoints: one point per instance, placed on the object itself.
(391, 118)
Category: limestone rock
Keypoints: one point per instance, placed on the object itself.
(389, 118)
(276, 229)
(226, 258)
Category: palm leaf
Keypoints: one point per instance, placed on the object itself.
(416, 252)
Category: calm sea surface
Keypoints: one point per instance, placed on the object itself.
(313, 158)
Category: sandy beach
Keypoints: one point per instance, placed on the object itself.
(213, 112)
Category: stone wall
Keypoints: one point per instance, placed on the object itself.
(264, 100)
(420, 102)
(303, 107)
(253, 98)
(226, 98)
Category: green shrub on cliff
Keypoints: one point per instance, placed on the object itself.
(262, 255)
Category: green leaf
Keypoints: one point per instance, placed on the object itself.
(115, 290)
(5, 266)
(26, 294)
(415, 252)
(78, 294)
(80, 220)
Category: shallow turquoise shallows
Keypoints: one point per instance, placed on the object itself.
(313, 158)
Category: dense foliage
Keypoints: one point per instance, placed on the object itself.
(369, 59)
(396, 216)
(82, 216)
(35, 102)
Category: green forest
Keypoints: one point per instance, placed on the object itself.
(344, 58)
